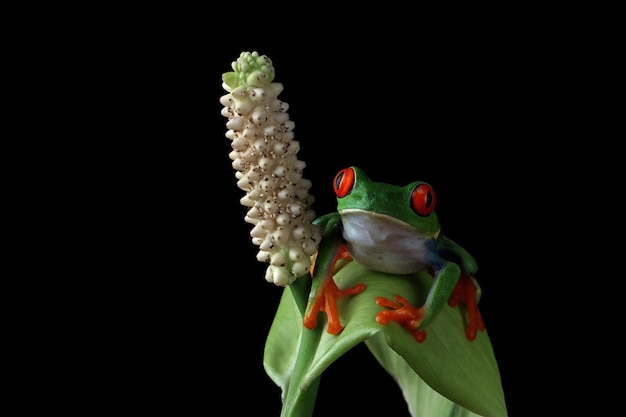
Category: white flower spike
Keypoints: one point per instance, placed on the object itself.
(267, 168)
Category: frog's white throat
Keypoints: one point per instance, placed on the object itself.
(384, 243)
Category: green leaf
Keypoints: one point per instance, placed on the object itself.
(421, 399)
(463, 372)
(281, 347)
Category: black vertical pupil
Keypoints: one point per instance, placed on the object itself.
(429, 199)
(338, 180)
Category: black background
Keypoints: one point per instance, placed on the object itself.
(144, 293)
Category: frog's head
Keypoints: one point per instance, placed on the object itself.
(412, 204)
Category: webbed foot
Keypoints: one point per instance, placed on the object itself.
(326, 301)
(466, 291)
(405, 314)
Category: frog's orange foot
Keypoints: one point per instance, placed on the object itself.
(326, 301)
(466, 291)
(405, 314)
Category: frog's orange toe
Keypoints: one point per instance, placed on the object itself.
(403, 313)
(466, 292)
(326, 301)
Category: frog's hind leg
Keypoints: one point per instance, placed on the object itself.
(468, 291)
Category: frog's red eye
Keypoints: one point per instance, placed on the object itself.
(344, 181)
(423, 199)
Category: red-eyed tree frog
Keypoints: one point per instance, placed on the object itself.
(392, 229)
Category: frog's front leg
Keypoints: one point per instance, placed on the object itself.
(324, 291)
(445, 279)
(450, 284)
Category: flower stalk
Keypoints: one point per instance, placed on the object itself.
(267, 168)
